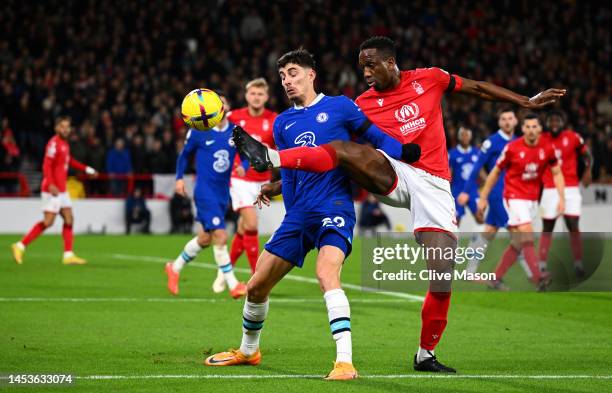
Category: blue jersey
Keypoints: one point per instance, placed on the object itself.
(487, 157)
(214, 156)
(461, 162)
(326, 119)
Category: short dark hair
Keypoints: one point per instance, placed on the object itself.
(384, 45)
(299, 56)
(62, 118)
(555, 112)
(531, 116)
(505, 109)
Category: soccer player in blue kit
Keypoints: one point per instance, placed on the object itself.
(461, 159)
(215, 152)
(319, 210)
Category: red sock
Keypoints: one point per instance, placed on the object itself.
(532, 260)
(545, 241)
(36, 230)
(313, 159)
(251, 246)
(506, 262)
(576, 244)
(68, 237)
(236, 248)
(434, 317)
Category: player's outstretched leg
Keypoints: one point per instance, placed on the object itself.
(36, 230)
(364, 164)
(434, 313)
(269, 271)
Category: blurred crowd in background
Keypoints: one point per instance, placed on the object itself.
(120, 69)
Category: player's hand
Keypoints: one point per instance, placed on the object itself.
(54, 190)
(561, 206)
(91, 172)
(240, 171)
(587, 178)
(463, 198)
(266, 193)
(482, 204)
(545, 98)
(179, 187)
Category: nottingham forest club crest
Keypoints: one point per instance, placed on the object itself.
(418, 88)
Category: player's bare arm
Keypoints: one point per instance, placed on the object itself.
(486, 189)
(490, 92)
(560, 186)
(587, 159)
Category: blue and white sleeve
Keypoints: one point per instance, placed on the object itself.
(361, 126)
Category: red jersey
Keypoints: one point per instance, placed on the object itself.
(525, 166)
(567, 144)
(260, 128)
(412, 112)
(55, 164)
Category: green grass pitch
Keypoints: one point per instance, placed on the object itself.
(113, 325)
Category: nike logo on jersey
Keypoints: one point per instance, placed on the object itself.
(380, 101)
(289, 125)
(208, 143)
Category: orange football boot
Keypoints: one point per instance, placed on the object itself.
(173, 279)
(233, 357)
(239, 290)
(342, 371)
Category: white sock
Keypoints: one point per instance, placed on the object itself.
(274, 158)
(477, 241)
(191, 250)
(424, 354)
(223, 261)
(521, 260)
(20, 245)
(253, 316)
(542, 265)
(68, 254)
(339, 314)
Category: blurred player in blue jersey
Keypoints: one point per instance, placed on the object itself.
(496, 217)
(461, 160)
(319, 210)
(214, 154)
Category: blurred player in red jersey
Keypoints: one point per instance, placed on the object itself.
(568, 145)
(525, 160)
(53, 192)
(257, 121)
(407, 106)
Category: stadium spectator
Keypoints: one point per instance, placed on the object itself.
(372, 216)
(158, 160)
(181, 214)
(124, 69)
(136, 212)
(139, 154)
(10, 158)
(118, 162)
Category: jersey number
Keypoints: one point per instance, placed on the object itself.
(222, 162)
(335, 222)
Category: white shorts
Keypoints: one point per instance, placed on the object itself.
(428, 197)
(550, 200)
(53, 204)
(244, 193)
(520, 211)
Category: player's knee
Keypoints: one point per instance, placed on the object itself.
(48, 221)
(328, 277)
(257, 291)
(219, 237)
(204, 239)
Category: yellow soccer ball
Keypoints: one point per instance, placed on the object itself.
(202, 109)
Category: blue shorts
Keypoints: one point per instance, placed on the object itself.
(460, 210)
(211, 213)
(299, 233)
(497, 215)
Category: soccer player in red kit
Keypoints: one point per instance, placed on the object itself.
(53, 192)
(525, 160)
(569, 146)
(407, 106)
(257, 121)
